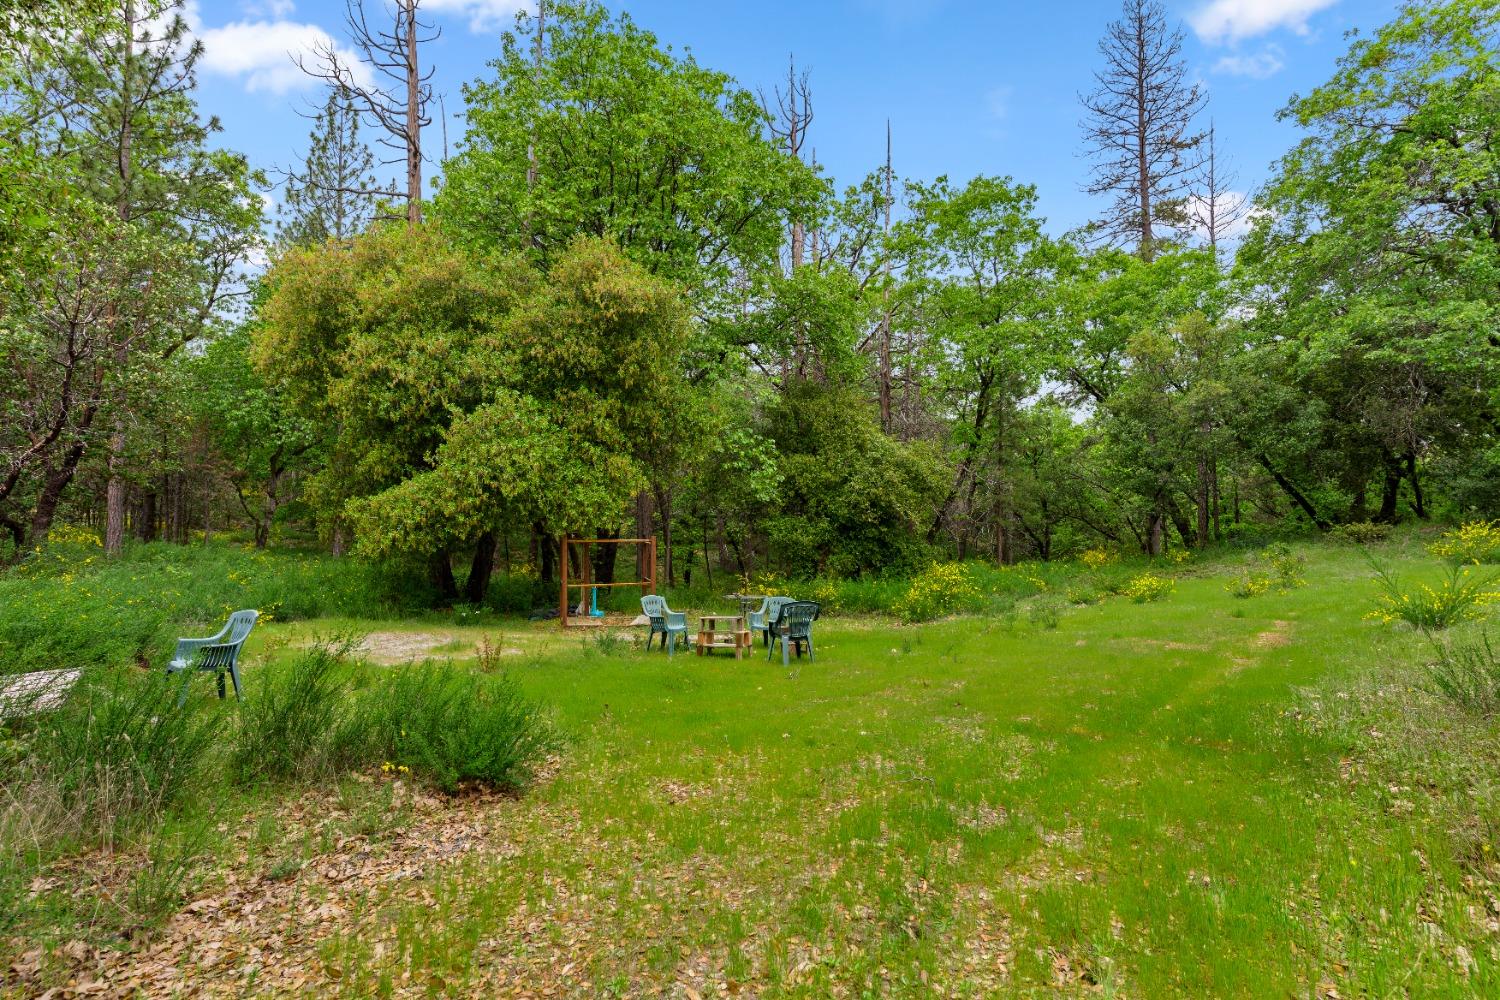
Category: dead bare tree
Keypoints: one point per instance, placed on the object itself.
(1138, 127)
(399, 105)
(885, 294)
(789, 123)
(1216, 208)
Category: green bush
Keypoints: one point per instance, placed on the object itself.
(1460, 596)
(1476, 542)
(1046, 611)
(1467, 673)
(1286, 566)
(1361, 533)
(294, 722)
(1146, 587)
(943, 589)
(1250, 583)
(453, 726)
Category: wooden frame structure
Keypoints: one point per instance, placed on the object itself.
(647, 582)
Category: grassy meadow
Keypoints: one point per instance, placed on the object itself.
(1194, 795)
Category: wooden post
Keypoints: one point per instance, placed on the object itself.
(562, 571)
(653, 564)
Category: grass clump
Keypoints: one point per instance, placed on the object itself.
(1467, 673)
(1277, 565)
(1361, 533)
(120, 752)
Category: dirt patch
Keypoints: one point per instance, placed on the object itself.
(1278, 635)
(403, 647)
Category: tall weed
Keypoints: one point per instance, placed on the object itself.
(1467, 673)
(121, 750)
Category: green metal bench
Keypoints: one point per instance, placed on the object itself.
(218, 653)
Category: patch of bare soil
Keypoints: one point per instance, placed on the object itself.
(402, 647)
(1278, 635)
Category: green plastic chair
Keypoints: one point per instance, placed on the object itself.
(793, 625)
(669, 623)
(218, 653)
(760, 621)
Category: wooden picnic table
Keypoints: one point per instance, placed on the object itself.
(723, 632)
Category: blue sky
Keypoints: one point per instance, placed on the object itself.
(970, 86)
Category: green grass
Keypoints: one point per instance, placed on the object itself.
(1180, 798)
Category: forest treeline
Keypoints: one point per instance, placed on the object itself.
(630, 303)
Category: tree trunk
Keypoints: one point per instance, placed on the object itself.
(413, 120)
(1218, 499)
(546, 556)
(114, 492)
(1156, 533)
(1419, 504)
(114, 510)
(605, 557)
(477, 586)
(1290, 490)
(145, 521)
(1203, 499)
(664, 515)
(643, 529)
(1390, 492)
(440, 572)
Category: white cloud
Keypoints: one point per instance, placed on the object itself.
(483, 15)
(264, 54)
(1224, 21)
(997, 101)
(1231, 202)
(1267, 62)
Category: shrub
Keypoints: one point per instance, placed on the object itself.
(293, 724)
(1097, 557)
(942, 589)
(119, 750)
(1461, 595)
(1468, 674)
(1046, 611)
(1248, 584)
(1361, 533)
(454, 726)
(1148, 587)
(1476, 542)
(1286, 566)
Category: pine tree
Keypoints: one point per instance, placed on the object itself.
(334, 195)
(1138, 128)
